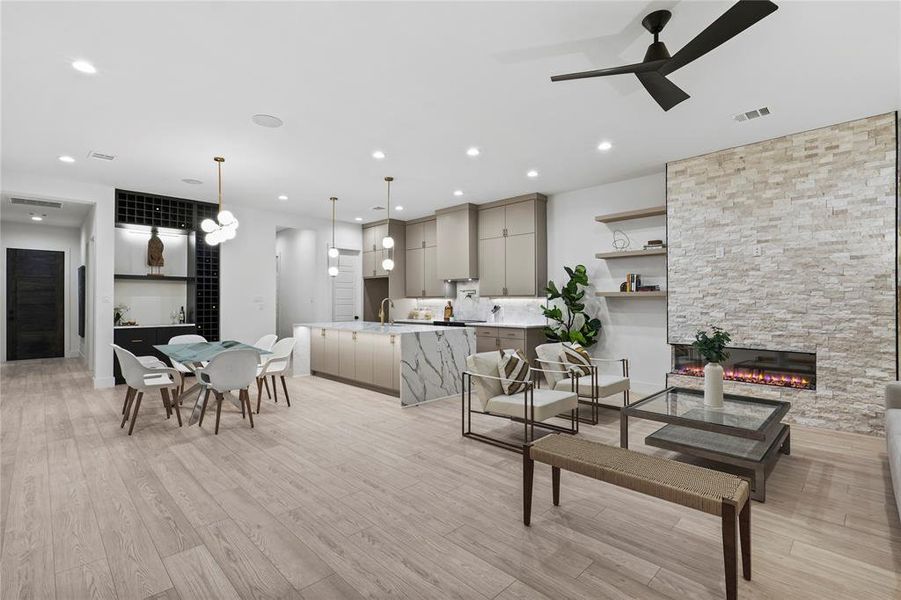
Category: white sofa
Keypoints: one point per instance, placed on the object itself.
(893, 435)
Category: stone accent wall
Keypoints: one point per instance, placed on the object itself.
(790, 244)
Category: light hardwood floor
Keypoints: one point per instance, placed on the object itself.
(345, 495)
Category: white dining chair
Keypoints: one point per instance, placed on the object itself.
(265, 343)
(189, 338)
(141, 378)
(232, 370)
(274, 365)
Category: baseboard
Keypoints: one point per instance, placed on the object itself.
(104, 382)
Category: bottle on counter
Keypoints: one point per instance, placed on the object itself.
(449, 311)
(181, 315)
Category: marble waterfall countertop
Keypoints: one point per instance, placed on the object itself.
(429, 365)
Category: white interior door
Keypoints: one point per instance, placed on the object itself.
(346, 287)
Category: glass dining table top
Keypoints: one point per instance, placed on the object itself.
(203, 351)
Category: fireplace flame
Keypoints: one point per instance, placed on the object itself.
(753, 376)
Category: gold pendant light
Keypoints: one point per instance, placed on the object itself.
(388, 241)
(225, 227)
(333, 250)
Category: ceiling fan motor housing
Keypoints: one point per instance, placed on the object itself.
(656, 51)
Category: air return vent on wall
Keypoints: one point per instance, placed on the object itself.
(751, 114)
(100, 156)
(41, 203)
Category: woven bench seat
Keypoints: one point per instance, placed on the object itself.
(713, 492)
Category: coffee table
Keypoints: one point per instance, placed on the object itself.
(746, 435)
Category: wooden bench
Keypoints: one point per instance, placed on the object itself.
(713, 492)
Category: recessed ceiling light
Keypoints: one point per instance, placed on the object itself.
(267, 121)
(66, 159)
(282, 197)
(398, 208)
(190, 181)
(35, 217)
(378, 154)
(458, 192)
(473, 151)
(604, 146)
(532, 173)
(84, 66)
(358, 218)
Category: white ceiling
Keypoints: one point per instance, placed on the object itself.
(178, 83)
(70, 214)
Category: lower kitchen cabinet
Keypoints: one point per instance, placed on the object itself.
(367, 358)
(524, 339)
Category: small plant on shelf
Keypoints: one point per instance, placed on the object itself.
(571, 323)
(712, 346)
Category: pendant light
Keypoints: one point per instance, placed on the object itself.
(225, 227)
(333, 251)
(388, 241)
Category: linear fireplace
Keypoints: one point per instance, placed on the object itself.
(766, 367)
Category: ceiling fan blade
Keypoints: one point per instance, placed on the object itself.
(642, 67)
(742, 15)
(665, 92)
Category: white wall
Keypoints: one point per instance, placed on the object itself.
(29, 236)
(248, 278)
(100, 257)
(635, 329)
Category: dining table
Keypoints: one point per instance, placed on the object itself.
(196, 355)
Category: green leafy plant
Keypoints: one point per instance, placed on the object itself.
(712, 346)
(571, 324)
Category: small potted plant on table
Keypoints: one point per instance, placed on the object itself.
(712, 347)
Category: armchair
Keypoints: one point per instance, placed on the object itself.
(594, 389)
(531, 407)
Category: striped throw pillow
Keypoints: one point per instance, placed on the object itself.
(576, 358)
(514, 368)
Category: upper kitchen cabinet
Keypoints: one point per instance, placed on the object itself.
(422, 279)
(457, 237)
(512, 246)
(374, 253)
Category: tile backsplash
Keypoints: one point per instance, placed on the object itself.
(470, 306)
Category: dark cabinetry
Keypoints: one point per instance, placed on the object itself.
(140, 341)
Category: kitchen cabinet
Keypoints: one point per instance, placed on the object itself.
(386, 361)
(457, 236)
(422, 260)
(332, 355)
(512, 247)
(367, 358)
(346, 361)
(525, 339)
(492, 266)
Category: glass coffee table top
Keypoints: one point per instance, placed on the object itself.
(739, 415)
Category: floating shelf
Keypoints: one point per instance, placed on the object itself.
(657, 294)
(153, 277)
(641, 213)
(628, 253)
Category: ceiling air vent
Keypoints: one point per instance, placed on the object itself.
(751, 114)
(100, 156)
(41, 203)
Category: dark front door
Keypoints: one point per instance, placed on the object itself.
(35, 314)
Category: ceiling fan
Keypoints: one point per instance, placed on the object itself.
(658, 63)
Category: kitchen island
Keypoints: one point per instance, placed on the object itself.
(418, 363)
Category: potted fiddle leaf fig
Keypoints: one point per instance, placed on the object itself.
(712, 347)
(570, 323)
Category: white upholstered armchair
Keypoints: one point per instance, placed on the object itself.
(595, 389)
(531, 407)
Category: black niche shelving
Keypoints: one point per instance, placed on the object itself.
(153, 210)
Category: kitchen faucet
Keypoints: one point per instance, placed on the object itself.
(382, 309)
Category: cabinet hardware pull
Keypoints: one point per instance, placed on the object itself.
(136, 341)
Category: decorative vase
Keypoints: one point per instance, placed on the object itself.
(713, 385)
